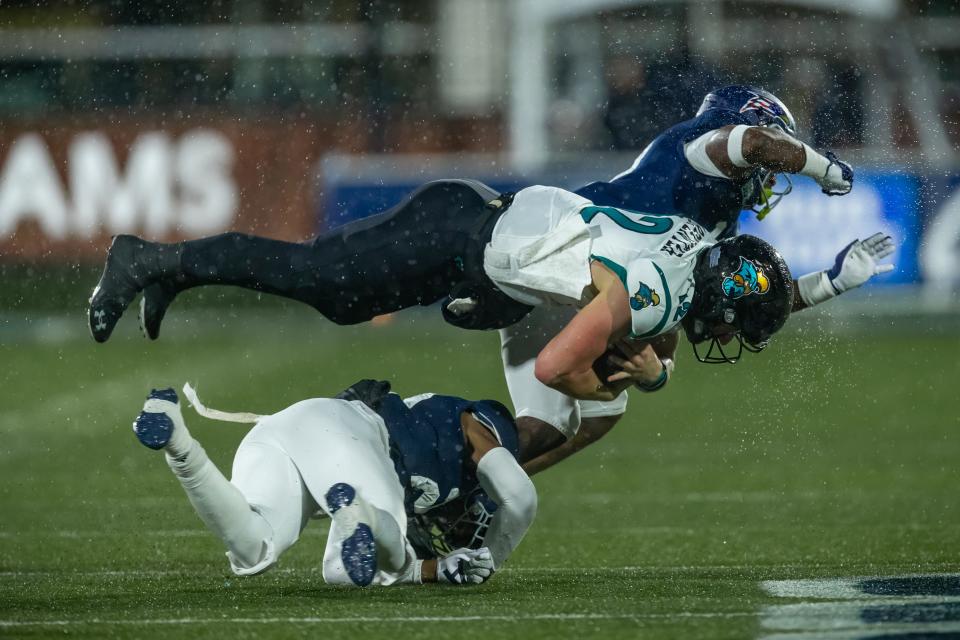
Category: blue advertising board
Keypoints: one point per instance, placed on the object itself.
(809, 228)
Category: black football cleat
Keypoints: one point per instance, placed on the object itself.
(132, 265)
(153, 306)
(117, 288)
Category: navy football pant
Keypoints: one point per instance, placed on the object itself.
(412, 254)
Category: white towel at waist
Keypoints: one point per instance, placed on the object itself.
(554, 267)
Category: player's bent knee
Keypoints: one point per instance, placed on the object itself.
(594, 428)
(253, 547)
(537, 437)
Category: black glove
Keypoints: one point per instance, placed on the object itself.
(369, 392)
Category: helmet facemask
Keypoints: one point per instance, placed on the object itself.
(716, 352)
(457, 524)
(767, 197)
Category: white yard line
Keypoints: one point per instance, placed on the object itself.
(317, 531)
(839, 588)
(384, 619)
(706, 497)
(842, 608)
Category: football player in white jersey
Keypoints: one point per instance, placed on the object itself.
(620, 274)
(368, 459)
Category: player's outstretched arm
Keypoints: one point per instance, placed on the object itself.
(504, 480)
(738, 150)
(855, 265)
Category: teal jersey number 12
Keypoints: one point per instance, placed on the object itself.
(643, 223)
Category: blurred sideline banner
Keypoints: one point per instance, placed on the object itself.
(66, 188)
(921, 213)
(810, 228)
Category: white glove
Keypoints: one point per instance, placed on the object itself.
(465, 566)
(834, 176)
(837, 180)
(855, 264)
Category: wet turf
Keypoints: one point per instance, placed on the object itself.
(823, 457)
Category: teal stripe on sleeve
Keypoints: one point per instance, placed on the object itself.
(666, 314)
(616, 268)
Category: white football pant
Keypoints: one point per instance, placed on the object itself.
(281, 473)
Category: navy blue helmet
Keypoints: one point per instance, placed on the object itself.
(755, 107)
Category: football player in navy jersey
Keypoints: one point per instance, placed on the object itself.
(721, 162)
(369, 460)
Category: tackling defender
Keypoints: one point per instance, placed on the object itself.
(368, 459)
(722, 161)
(594, 275)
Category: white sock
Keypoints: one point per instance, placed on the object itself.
(222, 507)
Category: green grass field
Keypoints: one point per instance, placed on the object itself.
(822, 457)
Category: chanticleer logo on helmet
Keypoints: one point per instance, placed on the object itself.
(644, 297)
(747, 279)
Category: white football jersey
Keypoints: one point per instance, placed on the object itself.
(654, 256)
(543, 245)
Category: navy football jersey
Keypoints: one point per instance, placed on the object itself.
(661, 180)
(428, 448)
